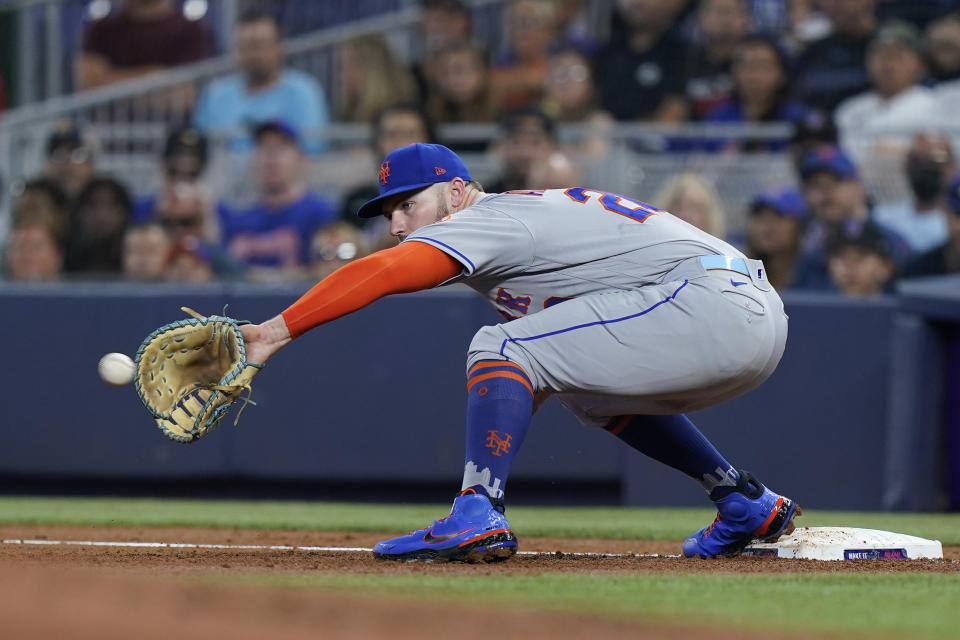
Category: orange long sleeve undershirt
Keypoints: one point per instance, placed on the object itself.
(411, 266)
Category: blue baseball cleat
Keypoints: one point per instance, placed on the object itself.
(475, 531)
(751, 512)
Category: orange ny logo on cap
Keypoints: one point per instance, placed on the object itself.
(384, 171)
(439, 171)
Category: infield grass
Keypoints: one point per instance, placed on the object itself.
(840, 605)
(606, 522)
(896, 605)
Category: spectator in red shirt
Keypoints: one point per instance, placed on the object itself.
(142, 37)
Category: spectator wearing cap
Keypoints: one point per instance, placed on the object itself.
(922, 220)
(945, 258)
(140, 37)
(835, 197)
(526, 135)
(641, 70)
(71, 158)
(860, 260)
(833, 68)
(264, 90)
(273, 236)
(879, 123)
(814, 129)
(774, 230)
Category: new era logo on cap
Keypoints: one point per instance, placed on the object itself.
(412, 168)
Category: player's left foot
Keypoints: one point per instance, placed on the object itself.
(751, 512)
(475, 531)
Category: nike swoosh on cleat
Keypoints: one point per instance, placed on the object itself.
(737, 284)
(429, 538)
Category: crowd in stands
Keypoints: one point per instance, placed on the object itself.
(867, 86)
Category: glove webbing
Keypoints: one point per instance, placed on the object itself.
(227, 388)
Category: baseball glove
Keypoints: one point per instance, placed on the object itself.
(190, 372)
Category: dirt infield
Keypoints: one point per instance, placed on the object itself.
(81, 591)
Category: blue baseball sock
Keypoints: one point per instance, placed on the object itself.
(676, 442)
(499, 409)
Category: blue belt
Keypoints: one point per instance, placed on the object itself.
(725, 262)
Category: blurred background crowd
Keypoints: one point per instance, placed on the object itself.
(187, 141)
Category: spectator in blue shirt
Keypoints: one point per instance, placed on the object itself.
(263, 90)
(273, 236)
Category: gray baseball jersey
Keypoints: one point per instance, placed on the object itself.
(611, 305)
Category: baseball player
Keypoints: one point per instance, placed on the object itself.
(627, 314)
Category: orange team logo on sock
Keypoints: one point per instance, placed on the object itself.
(500, 445)
(384, 171)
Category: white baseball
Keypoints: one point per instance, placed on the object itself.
(116, 369)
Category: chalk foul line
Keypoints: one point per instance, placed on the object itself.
(306, 548)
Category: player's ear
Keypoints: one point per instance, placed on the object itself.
(458, 192)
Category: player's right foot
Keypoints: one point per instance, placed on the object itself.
(751, 512)
(475, 531)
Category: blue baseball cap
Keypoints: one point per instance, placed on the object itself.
(953, 194)
(786, 202)
(412, 168)
(279, 127)
(829, 159)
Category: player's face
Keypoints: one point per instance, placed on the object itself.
(408, 212)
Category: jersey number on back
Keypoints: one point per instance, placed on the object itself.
(628, 207)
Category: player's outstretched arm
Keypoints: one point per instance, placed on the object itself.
(411, 266)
